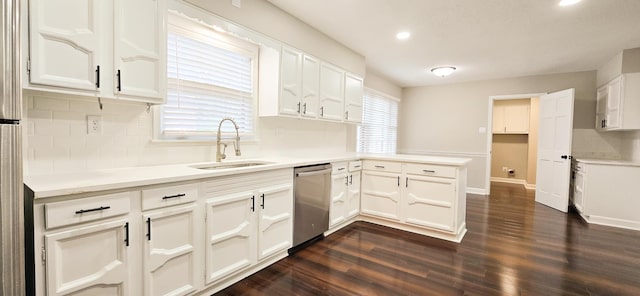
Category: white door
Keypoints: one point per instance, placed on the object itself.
(138, 49)
(310, 86)
(64, 43)
(337, 212)
(290, 81)
(88, 260)
(353, 93)
(171, 266)
(554, 149)
(331, 92)
(275, 220)
(231, 239)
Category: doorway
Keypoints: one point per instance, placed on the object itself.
(513, 139)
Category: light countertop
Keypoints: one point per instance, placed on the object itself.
(109, 179)
(609, 162)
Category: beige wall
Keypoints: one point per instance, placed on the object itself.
(262, 16)
(445, 119)
(627, 61)
(509, 151)
(534, 118)
(375, 81)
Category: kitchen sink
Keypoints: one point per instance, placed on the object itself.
(229, 165)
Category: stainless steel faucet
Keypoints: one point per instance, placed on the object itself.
(236, 144)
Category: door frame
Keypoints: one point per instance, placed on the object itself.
(487, 182)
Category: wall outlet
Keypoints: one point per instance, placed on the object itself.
(504, 169)
(94, 124)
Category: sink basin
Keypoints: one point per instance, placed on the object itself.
(229, 165)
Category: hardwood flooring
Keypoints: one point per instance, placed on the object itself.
(513, 247)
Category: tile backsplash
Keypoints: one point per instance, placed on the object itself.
(56, 137)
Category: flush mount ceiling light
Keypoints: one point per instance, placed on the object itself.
(403, 35)
(443, 71)
(568, 2)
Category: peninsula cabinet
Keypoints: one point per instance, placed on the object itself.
(422, 198)
(248, 221)
(112, 49)
(618, 104)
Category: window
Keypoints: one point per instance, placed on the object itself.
(211, 76)
(378, 131)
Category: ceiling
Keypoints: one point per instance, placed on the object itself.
(484, 39)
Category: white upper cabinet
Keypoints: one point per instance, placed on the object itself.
(65, 43)
(353, 92)
(331, 92)
(310, 86)
(139, 45)
(511, 116)
(290, 81)
(112, 49)
(618, 103)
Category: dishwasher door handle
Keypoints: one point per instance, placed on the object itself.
(313, 173)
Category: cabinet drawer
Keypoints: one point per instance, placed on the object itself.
(355, 165)
(86, 209)
(382, 166)
(168, 196)
(431, 170)
(338, 167)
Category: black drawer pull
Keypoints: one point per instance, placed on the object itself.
(380, 166)
(356, 166)
(428, 171)
(340, 169)
(174, 196)
(126, 234)
(148, 228)
(81, 211)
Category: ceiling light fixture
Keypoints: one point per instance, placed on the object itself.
(403, 35)
(568, 2)
(443, 71)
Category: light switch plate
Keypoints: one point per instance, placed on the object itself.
(94, 124)
(482, 130)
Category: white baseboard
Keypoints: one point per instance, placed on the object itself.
(480, 191)
(509, 180)
(530, 186)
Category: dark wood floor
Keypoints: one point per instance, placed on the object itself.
(513, 247)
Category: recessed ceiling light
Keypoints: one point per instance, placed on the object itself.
(568, 2)
(443, 71)
(403, 35)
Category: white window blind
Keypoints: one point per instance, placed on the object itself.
(210, 76)
(378, 131)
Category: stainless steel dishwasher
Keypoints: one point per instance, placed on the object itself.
(312, 187)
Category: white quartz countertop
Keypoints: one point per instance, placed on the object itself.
(110, 179)
(609, 162)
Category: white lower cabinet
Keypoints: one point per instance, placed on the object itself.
(430, 202)
(353, 195)
(171, 265)
(339, 194)
(88, 260)
(248, 220)
(381, 194)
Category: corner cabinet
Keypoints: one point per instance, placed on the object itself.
(423, 198)
(295, 84)
(618, 104)
(112, 49)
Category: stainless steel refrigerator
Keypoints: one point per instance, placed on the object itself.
(11, 186)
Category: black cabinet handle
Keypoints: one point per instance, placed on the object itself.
(398, 181)
(304, 108)
(119, 81)
(322, 111)
(98, 76)
(126, 234)
(149, 228)
(81, 211)
(428, 171)
(346, 180)
(379, 166)
(346, 115)
(262, 205)
(174, 196)
(406, 182)
(340, 169)
(253, 203)
(351, 179)
(298, 107)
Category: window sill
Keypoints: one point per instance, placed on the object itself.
(197, 142)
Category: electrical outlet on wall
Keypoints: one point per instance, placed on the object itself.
(94, 124)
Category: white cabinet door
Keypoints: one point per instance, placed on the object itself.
(310, 86)
(275, 221)
(353, 195)
(64, 43)
(89, 260)
(430, 202)
(614, 98)
(171, 266)
(139, 45)
(290, 81)
(498, 119)
(231, 240)
(331, 92)
(338, 206)
(516, 117)
(578, 192)
(601, 106)
(380, 194)
(353, 92)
